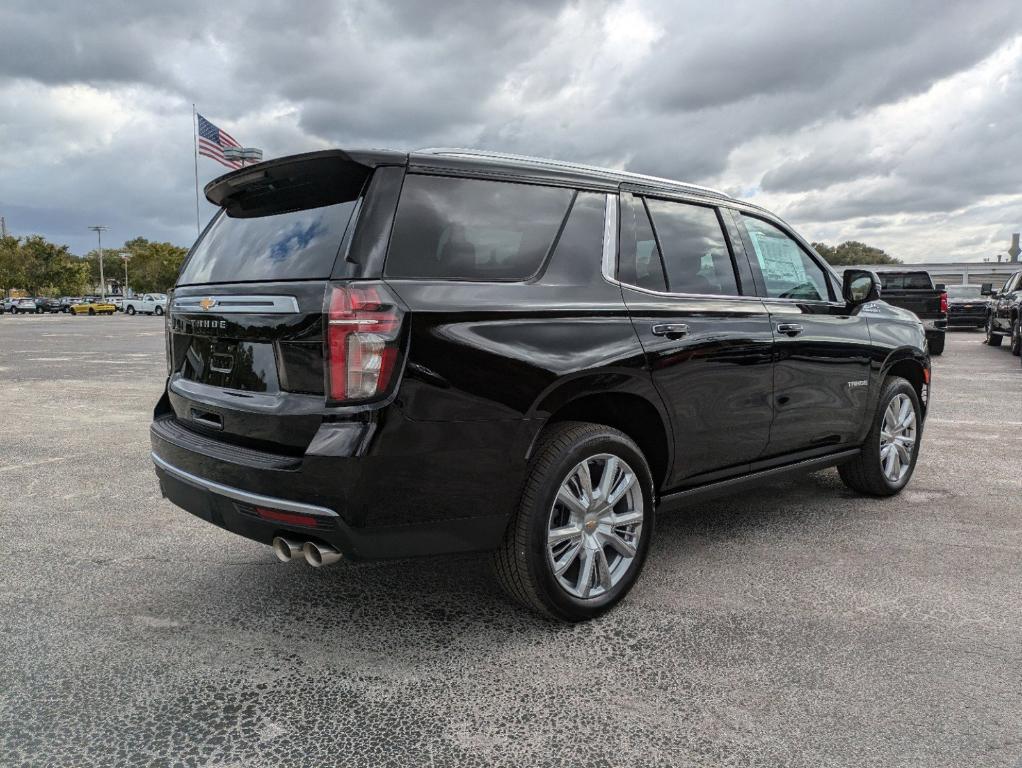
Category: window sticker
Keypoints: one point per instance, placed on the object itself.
(779, 259)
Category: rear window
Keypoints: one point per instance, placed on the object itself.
(910, 280)
(288, 246)
(473, 229)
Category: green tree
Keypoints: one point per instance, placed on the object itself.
(151, 266)
(853, 252)
(12, 274)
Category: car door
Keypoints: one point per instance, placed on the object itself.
(1006, 299)
(707, 341)
(822, 352)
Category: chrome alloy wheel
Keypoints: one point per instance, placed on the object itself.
(594, 526)
(897, 438)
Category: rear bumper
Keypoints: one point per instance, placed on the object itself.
(971, 318)
(369, 507)
(935, 326)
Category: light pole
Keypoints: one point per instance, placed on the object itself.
(245, 155)
(125, 257)
(99, 229)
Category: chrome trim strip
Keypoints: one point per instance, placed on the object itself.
(610, 237)
(253, 304)
(239, 495)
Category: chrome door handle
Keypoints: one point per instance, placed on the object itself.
(791, 329)
(670, 330)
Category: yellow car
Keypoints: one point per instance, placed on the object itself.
(92, 306)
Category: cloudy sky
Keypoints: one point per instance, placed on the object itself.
(896, 123)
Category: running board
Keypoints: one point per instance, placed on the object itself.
(677, 499)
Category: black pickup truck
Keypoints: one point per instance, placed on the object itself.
(914, 290)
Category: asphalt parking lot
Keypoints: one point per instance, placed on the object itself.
(795, 625)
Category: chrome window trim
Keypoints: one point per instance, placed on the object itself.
(237, 494)
(610, 257)
(610, 238)
(254, 304)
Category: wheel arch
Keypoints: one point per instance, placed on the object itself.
(622, 401)
(910, 365)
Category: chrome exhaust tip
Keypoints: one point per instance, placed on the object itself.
(286, 549)
(318, 555)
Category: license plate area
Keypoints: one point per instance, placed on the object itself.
(248, 366)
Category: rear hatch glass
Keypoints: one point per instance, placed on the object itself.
(297, 245)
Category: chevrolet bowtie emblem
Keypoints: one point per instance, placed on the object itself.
(207, 303)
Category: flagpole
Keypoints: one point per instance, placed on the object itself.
(195, 142)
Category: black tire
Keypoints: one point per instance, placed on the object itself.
(158, 311)
(864, 473)
(92, 311)
(1016, 337)
(130, 310)
(521, 563)
(936, 346)
(993, 339)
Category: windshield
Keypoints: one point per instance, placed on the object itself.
(288, 246)
(963, 292)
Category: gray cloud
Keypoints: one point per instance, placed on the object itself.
(771, 99)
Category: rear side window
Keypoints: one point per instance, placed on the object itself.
(578, 255)
(696, 255)
(473, 229)
(287, 246)
(640, 264)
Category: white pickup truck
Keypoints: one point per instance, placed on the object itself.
(147, 303)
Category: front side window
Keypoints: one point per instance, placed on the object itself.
(788, 271)
(696, 255)
(473, 229)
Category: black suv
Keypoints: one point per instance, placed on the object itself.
(1005, 317)
(379, 355)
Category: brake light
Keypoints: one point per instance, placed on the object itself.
(943, 302)
(363, 330)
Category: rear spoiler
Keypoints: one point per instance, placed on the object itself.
(295, 182)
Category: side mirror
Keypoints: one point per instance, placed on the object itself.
(860, 286)
(987, 289)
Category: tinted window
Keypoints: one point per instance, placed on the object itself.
(578, 255)
(912, 280)
(288, 246)
(640, 262)
(695, 253)
(788, 271)
(473, 229)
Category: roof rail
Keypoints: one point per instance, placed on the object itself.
(481, 153)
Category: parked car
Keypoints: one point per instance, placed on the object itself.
(1006, 314)
(482, 352)
(914, 290)
(67, 301)
(148, 304)
(47, 305)
(93, 305)
(968, 306)
(25, 306)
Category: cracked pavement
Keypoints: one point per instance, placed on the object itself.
(795, 624)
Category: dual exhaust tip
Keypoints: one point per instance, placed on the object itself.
(316, 555)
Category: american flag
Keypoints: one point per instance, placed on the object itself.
(213, 141)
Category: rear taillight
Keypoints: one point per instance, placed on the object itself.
(362, 340)
(943, 302)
